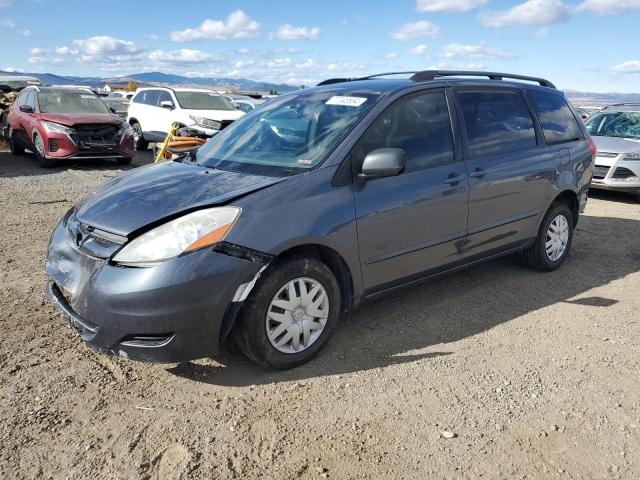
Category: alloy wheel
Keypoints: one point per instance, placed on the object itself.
(557, 238)
(297, 315)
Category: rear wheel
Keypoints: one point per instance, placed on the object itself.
(40, 152)
(138, 138)
(123, 160)
(554, 239)
(14, 146)
(290, 315)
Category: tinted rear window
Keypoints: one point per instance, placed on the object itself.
(496, 122)
(557, 121)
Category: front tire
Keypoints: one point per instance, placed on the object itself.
(40, 152)
(139, 142)
(290, 315)
(554, 239)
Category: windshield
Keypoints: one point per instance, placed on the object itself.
(288, 135)
(203, 101)
(58, 102)
(614, 124)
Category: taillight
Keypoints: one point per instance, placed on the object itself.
(592, 147)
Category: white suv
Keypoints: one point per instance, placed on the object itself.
(154, 109)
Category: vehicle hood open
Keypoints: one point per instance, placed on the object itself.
(71, 119)
(148, 195)
(617, 145)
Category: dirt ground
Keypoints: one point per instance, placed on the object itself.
(532, 375)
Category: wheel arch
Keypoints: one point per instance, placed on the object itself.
(569, 198)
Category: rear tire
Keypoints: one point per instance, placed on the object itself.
(139, 142)
(255, 330)
(554, 239)
(14, 147)
(124, 161)
(39, 152)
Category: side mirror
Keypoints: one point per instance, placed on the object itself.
(167, 104)
(26, 108)
(383, 162)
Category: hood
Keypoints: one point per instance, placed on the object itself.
(149, 194)
(617, 145)
(217, 114)
(71, 119)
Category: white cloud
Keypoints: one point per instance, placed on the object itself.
(65, 51)
(279, 63)
(531, 12)
(632, 66)
(345, 67)
(153, 37)
(289, 32)
(449, 5)
(419, 49)
(103, 46)
(307, 64)
(391, 55)
(37, 51)
(456, 50)
(609, 7)
(7, 24)
(182, 56)
(25, 33)
(237, 25)
(412, 30)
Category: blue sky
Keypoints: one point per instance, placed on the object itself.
(588, 45)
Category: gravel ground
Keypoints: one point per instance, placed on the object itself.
(494, 372)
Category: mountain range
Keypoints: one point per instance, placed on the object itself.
(159, 78)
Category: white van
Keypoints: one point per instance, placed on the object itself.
(154, 109)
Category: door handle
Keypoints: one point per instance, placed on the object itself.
(478, 172)
(454, 179)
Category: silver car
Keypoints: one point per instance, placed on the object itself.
(616, 132)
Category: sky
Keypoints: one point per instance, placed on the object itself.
(587, 45)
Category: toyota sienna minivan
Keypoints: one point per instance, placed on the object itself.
(272, 236)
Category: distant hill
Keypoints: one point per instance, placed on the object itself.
(592, 98)
(159, 78)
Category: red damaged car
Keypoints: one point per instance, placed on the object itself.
(65, 123)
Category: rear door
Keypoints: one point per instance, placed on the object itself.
(416, 221)
(509, 173)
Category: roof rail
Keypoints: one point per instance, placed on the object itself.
(331, 81)
(432, 74)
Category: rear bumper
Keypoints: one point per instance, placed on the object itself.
(176, 311)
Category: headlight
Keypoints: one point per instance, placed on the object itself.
(206, 122)
(185, 234)
(635, 156)
(53, 127)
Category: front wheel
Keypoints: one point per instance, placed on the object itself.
(40, 152)
(290, 315)
(138, 138)
(554, 239)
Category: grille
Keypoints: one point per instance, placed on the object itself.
(622, 172)
(95, 137)
(600, 172)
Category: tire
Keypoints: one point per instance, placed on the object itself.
(251, 328)
(39, 152)
(139, 142)
(124, 161)
(14, 147)
(537, 255)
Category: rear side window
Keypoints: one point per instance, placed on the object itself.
(164, 97)
(557, 121)
(496, 122)
(419, 125)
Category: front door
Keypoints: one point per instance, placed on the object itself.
(416, 221)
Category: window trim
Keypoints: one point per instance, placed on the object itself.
(463, 128)
(457, 151)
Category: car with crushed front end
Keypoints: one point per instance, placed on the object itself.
(67, 123)
(273, 237)
(616, 132)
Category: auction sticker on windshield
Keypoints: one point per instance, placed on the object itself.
(346, 101)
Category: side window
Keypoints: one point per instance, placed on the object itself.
(139, 97)
(31, 100)
(151, 98)
(22, 99)
(164, 96)
(557, 120)
(419, 124)
(496, 122)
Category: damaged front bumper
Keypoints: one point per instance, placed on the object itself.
(176, 311)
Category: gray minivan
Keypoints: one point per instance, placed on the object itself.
(273, 230)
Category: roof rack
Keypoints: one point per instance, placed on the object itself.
(432, 74)
(331, 81)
